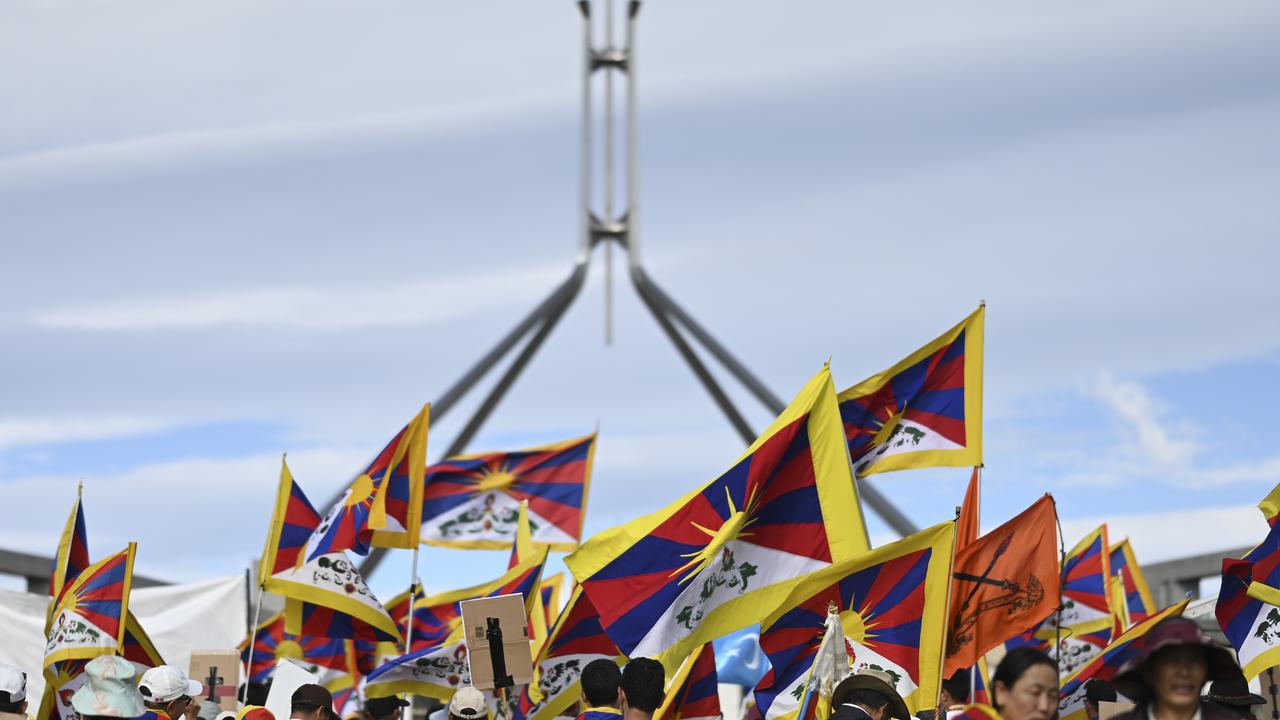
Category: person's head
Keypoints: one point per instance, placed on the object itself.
(13, 690)
(254, 693)
(955, 689)
(207, 710)
(1096, 691)
(642, 681)
(468, 703)
(385, 707)
(110, 690)
(875, 691)
(168, 689)
(600, 682)
(1025, 685)
(1234, 695)
(1171, 665)
(311, 702)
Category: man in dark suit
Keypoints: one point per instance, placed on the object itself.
(867, 695)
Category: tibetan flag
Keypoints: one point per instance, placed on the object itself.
(73, 551)
(1005, 584)
(292, 523)
(1248, 608)
(523, 550)
(1137, 597)
(398, 608)
(89, 618)
(1076, 651)
(576, 640)
(325, 595)
(383, 506)
(438, 618)
(324, 657)
(1086, 588)
(1270, 505)
(693, 693)
(62, 679)
(981, 683)
(435, 672)
(1107, 664)
(473, 501)
(926, 411)
(728, 553)
(976, 711)
(137, 647)
(550, 591)
(892, 604)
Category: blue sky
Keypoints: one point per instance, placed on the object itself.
(232, 232)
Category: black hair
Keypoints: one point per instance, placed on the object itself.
(600, 681)
(1015, 664)
(254, 693)
(642, 681)
(867, 698)
(11, 707)
(957, 686)
(1098, 691)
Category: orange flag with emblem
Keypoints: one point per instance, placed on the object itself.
(1003, 584)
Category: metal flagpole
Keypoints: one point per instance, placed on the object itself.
(253, 636)
(408, 621)
(610, 227)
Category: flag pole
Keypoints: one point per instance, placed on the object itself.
(408, 621)
(977, 521)
(253, 636)
(946, 627)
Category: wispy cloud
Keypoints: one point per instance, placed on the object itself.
(337, 308)
(1156, 445)
(38, 431)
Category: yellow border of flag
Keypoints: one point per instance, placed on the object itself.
(504, 544)
(933, 621)
(417, 452)
(1135, 572)
(1097, 624)
(971, 454)
(84, 653)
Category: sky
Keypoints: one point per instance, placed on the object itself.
(238, 229)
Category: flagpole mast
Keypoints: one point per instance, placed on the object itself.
(408, 621)
(977, 521)
(253, 636)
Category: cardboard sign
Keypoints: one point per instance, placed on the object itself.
(497, 638)
(219, 672)
(288, 677)
(1108, 709)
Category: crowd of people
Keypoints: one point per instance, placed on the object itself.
(1163, 679)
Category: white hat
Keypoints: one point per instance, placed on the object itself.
(165, 683)
(13, 682)
(468, 702)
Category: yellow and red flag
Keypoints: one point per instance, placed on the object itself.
(926, 411)
(728, 553)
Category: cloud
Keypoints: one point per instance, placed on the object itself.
(353, 306)
(1159, 536)
(1156, 447)
(37, 431)
(1144, 422)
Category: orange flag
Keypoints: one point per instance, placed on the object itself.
(1003, 584)
(967, 521)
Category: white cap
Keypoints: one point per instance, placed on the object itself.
(14, 682)
(165, 683)
(468, 702)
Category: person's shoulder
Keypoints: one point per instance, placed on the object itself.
(848, 712)
(1137, 712)
(1210, 710)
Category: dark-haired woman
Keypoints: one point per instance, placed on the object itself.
(1169, 668)
(1025, 685)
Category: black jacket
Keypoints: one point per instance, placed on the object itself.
(850, 712)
